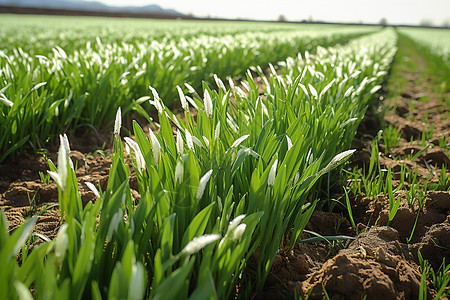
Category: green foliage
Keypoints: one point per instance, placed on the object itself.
(391, 138)
(436, 41)
(444, 182)
(79, 82)
(377, 181)
(236, 182)
(440, 278)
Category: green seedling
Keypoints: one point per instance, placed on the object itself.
(443, 143)
(325, 292)
(31, 205)
(444, 181)
(419, 195)
(427, 135)
(45, 177)
(393, 203)
(440, 278)
(391, 137)
(328, 239)
(349, 209)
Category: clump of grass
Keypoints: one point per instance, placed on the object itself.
(391, 138)
(440, 278)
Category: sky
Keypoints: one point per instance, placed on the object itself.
(395, 11)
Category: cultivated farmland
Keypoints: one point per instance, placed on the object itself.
(218, 160)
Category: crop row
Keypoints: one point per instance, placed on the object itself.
(436, 40)
(38, 35)
(43, 95)
(218, 199)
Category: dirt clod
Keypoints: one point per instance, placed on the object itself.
(374, 265)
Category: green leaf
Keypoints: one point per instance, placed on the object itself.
(4, 236)
(175, 286)
(167, 234)
(144, 144)
(206, 288)
(138, 282)
(22, 291)
(15, 242)
(83, 264)
(197, 225)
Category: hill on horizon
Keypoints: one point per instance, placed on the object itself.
(80, 5)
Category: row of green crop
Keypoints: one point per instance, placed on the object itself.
(38, 35)
(217, 198)
(42, 95)
(434, 46)
(436, 40)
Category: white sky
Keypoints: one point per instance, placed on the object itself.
(395, 11)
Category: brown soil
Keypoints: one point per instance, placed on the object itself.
(378, 263)
(23, 194)
(373, 265)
